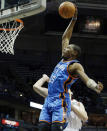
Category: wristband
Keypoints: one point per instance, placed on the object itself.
(92, 84)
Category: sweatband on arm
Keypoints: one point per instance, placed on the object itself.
(93, 85)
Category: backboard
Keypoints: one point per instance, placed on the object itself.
(16, 9)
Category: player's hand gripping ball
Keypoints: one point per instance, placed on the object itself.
(67, 10)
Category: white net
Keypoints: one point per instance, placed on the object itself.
(8, 34)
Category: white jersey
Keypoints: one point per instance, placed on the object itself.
(74, 122)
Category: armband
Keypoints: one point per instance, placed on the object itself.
(92, 84)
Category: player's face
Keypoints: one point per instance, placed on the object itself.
(68, 52)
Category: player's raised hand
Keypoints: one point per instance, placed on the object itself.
(45, 77)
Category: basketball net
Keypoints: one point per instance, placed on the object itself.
(8, 34)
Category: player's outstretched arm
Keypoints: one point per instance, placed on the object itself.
(90, 83)
(79, 109)
(68, 32)
(38, 86)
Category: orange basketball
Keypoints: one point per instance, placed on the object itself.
(66, 9)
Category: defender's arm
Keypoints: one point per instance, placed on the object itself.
(38, 86)
(79, 109)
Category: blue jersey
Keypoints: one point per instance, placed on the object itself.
(60, 80)
(58, 104)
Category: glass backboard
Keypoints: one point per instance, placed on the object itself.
(16, 9)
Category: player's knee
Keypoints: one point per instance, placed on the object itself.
(43, 126)
(57, 127)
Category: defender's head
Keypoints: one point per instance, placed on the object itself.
(71, 51)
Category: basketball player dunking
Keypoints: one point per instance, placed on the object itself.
(66, 72)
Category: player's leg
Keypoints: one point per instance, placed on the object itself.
(45, 119)
(61, 110)
(58, 116)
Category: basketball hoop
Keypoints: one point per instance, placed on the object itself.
(8, 34)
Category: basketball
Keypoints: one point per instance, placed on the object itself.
(66, 10)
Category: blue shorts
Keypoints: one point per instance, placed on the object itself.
(53, 111)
